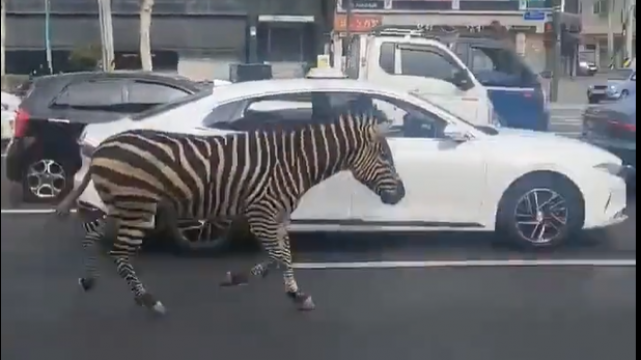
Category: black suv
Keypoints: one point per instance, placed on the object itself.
(44, 154)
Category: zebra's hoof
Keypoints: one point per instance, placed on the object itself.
(305, 303)
(232, 279)
(159, 308)
(148, 301)
(86, 284)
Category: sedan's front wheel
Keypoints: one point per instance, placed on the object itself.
(539, 211)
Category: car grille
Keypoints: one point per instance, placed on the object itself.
(600, 87)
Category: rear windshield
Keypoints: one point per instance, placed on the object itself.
(156, 110)
(621, 74)
(500, 67)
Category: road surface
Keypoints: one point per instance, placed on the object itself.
(387, 297)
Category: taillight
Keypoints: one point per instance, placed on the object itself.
(623, 126)
(22, 123)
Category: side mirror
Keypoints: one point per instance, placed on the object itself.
(462, 80)
(455, 134)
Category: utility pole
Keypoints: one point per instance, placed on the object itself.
(630, 29)
(106, 34)
(558, 58)
(611, 4)
(48, 36)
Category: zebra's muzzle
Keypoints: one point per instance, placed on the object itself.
(393, 197)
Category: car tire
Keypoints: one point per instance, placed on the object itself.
(560, 219)
(215, 242)
(625, 94)
(54, 166)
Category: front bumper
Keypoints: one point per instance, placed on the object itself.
(606, 200)
(625, 150)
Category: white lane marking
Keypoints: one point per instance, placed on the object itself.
(468, 263)
(30, 211)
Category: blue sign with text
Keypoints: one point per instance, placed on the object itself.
(534, 15)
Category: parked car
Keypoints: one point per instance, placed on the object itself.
(614, 127)
(621, 84)
(9, 105)
(43, 156)
(587, 68)
(458, 176)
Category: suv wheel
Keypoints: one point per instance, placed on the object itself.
(46, 180)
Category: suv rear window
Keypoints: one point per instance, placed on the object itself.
(157, 110)
(91, 93)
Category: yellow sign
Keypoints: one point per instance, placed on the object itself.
(322, 61)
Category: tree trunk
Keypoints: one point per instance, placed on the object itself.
(3, 28)
(146, 8)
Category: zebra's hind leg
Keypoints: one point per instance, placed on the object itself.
(94, 231)
(125, 247)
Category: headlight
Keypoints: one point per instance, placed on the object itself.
(614, 169)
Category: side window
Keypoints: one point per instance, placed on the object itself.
(150, 93)
(91, 94)
(427, 63)
(407, 120)
(223, 114)
(495, 66)
(353, 58)
(265, 112)
(386, 58)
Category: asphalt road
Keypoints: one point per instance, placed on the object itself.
(404, 297)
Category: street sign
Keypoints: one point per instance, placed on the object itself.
(534, 15)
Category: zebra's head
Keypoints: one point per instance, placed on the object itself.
(373, 164)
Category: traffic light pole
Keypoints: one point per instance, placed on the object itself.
(630, 29)
(558, 58)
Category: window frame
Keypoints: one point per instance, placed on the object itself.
(236, 109)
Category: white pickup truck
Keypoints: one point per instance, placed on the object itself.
(423, 66)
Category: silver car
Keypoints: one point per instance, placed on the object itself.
(620, 84)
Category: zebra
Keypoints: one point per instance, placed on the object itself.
(260, 175)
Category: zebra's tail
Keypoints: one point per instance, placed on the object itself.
(64, 208)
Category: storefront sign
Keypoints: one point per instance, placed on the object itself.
(357, 23)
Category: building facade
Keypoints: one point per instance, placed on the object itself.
(594, 15)
(199, 38)
(524, 19)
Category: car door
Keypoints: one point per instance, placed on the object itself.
(431, 72)
(444, 180)
(328, 201)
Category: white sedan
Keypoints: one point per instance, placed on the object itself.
(536, 189)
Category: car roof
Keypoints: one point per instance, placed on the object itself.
(266, 87)
(120, 74)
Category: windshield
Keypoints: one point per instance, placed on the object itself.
(500, 67)
(621, 74)
(486, 129)
(173, 104)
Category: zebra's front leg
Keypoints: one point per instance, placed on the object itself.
(275, 240)
(303, 301)
(126, 246)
